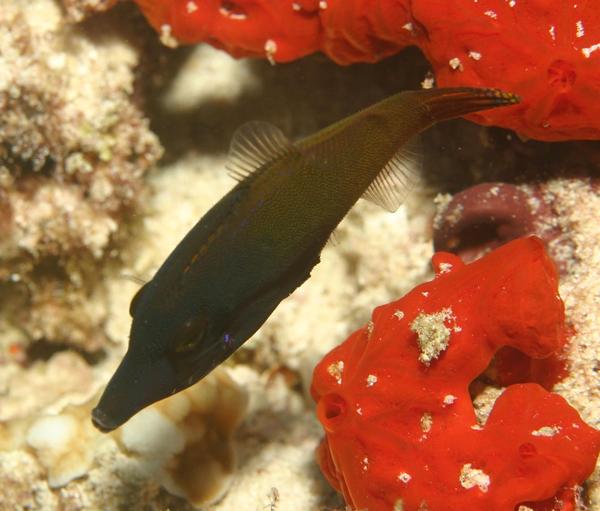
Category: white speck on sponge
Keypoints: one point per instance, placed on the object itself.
(405, 477)
(336, 369)
(455, 64)
(445, 268)
(433, 335)
(371, 380)
(270, 50)
(546, 431)
(426, 422)
(475, 55)
(399, 314)
(587, 52)
(428, 82)
(166, 36)
(238, 16)
(370, 328)
(471, 477)
(449, 399)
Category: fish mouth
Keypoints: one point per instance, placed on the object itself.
(136, 384)
(102, 421)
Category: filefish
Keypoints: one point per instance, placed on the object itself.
(262, 239)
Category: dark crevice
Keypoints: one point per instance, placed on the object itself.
(43, 350)
(284, 94)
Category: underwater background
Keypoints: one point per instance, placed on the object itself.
(113, 145)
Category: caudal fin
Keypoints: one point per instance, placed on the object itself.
(391, 185)
(443, 104)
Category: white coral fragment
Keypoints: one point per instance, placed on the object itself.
(62, 445)
(185, 441)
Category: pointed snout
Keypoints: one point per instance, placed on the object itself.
(136, 384)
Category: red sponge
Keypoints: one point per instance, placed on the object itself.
(401, 431)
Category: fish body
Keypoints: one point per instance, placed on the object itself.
(262, 239)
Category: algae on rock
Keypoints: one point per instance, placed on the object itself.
(74, 148)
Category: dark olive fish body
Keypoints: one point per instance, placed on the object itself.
(262, 239)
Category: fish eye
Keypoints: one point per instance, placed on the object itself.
(187, 346)
(191, 334)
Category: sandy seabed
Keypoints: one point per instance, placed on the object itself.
(87, 202)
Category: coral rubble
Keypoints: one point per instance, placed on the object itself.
(184, 443)
(79, 9)
(73, 150)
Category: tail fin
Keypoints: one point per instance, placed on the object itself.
(433, 105)
(443, 104)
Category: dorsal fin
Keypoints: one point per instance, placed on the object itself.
(254, 144)
(390, 187)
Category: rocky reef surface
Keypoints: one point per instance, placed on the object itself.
(88, 208)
